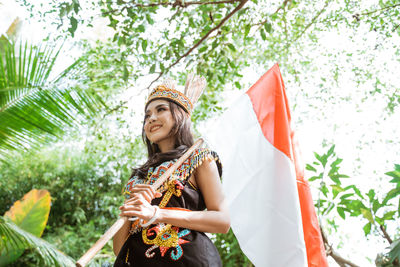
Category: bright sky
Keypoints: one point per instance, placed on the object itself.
(365, 137)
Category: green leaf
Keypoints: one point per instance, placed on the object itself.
(237, 84)
(246, 30)
(141, 28)
(202, 49)
(336, 189)
(336, 162)
(379, 220)
(13, 236)
(191, 23)
(214, 44)
(355, 189)
(268, 27)
(31, 213)
(376, 205)
(144, 45)
(397, 167)
(389, 215)
(232, 47)
(341, 212)
(324, 190)
(394, 174)
(331, 150)
(345, 196)
(394, 252)
(367, 228)
(74, 26)
(263, 36)
(371, 195)
(367, 215)
(153, 68)
(314, 178)
(149, 19)
(76, 6)
(391, 194)
(335, 179)
(33, 109)
(310, 168)
(322, 159)
(125, 76)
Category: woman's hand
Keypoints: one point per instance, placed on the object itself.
(138, 204)
(146, 190)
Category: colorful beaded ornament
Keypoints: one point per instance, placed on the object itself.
(166, 237)
(193, 89)
(163, 92)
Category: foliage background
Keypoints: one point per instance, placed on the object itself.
(339, 61)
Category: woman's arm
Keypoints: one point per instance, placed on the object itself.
(213, 220)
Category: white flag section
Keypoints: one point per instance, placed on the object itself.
(268, 204)
(260, 185)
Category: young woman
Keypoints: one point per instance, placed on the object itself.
(190, 203)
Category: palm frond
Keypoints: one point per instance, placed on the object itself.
(34, 110)
(13, 237)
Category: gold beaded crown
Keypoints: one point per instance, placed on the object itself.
(193, 89)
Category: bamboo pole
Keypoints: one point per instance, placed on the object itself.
(121, 221)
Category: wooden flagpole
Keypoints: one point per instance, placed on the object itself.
(121, 221)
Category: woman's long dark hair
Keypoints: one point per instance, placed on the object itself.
(183, 140)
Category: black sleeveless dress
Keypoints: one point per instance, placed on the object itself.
(165, 244)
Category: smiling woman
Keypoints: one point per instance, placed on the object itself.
(190, 203)
(159, 123)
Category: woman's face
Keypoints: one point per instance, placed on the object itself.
(158, 121)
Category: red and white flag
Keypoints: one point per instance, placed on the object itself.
(272, 212)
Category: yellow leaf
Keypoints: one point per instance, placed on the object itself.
(367, 215)
(31, 213)
(14, 28)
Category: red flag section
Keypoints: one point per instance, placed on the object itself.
(270, 104)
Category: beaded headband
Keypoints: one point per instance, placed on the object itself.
(193, 88)
(163, 92)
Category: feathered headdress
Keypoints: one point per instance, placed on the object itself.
(194, 87)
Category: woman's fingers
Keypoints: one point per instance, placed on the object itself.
(138, 204)
(130, 210)
(147, 191)
(143, 211)
(134, 201)
(129, 207)
(138, 199)
(129, 213)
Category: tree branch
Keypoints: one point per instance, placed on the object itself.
(331, 252)
(313, 21)
(377, 10)
(395, 28)
(385, 234)
(177, 3)
(357, 16)
(284, 4)
(242, 3)
(181, 3)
